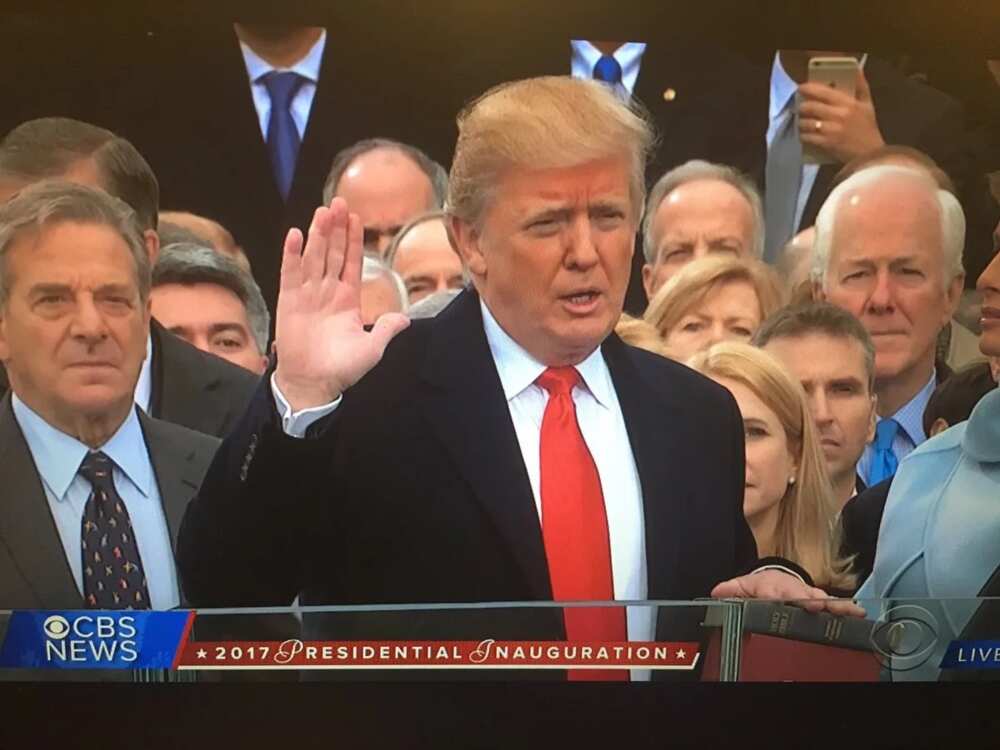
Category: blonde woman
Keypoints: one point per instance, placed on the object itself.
(788, 501)
(637, 332)
(716, 298)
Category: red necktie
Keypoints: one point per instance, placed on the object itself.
(575, 524)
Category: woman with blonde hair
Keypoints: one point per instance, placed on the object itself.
(788, 501)
(716, 298)
(637, 332)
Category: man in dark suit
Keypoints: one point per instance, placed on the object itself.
(93, 489)
(510, 448)
(178, 382)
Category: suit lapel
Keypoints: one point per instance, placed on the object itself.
(663, 493)
(173, 466)
(26, 525)
(466, 408)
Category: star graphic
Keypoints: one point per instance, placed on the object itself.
(201, 653)
(681, 654)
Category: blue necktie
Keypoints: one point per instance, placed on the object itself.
(282, 136)
(608, 70)
(884, 461)
(113, 577)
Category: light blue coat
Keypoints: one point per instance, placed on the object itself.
(940, 533)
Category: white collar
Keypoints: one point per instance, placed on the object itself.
(518, 370)
(308, 67)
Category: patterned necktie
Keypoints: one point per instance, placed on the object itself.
(282, 136)
(113, 577)
(782, 180)
(884, 461)
(575, 524)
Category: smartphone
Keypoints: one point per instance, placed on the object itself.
(839, 73)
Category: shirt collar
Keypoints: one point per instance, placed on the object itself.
(911, 414)
(783, 88)
(308, 67)
(58, 456)
(518, 370)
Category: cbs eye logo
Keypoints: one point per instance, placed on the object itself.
(56, 627)
(904, 638)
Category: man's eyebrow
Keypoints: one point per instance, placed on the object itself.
(224, 327)
(847, 380)
(46, 287)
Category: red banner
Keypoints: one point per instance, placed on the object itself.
(485, 654)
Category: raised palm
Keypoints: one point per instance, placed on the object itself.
(322, 347)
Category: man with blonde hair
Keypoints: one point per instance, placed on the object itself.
(507, 449)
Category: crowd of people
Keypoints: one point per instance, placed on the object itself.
(448, 402)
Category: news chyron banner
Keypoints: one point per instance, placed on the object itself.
(163, 640)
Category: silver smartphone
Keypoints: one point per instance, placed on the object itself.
(838, 73)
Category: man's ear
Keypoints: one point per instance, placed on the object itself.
(647, 280)
(465, 238)
(872, 420)
(954, 296)
(4, 349)
(152, 240)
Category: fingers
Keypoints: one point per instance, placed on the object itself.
(354, 255)
(814, 110)
(314, 254)
(386, 328)
(291, 260)
(337, 242)
(820, 92)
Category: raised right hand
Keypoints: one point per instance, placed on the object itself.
(322, 347)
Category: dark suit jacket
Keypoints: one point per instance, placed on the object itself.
(34, 573)
(194, 388)
(415, 490)
(201, 135)
(190, 387)
(860, 520)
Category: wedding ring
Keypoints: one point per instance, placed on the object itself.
(819, 125)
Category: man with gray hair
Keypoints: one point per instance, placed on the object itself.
(696, 209)
(511, 448)
(387, 183)
(382, 290)
(212, 303)
(888, 249)
(177, 383)
(93, 489)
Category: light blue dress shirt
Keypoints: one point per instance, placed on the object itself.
(585, 56)
(911, 433)
(308, 67)
(782, 106)
(58, 456)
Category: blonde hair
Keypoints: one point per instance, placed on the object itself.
(692, 285)
(547, 122)
(637, 332)
(808, 531)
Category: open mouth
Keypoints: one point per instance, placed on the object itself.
(581, 301)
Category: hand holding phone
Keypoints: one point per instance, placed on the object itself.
(837, 119)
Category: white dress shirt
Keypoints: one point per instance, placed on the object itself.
(57, 457)
(308, 67)
(603, 426)
(585, 56)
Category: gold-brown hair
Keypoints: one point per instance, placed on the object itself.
(808, 530)
(690, 286)
(538, 123)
